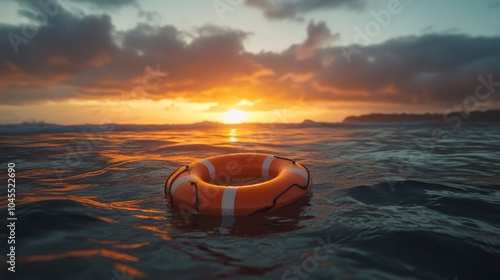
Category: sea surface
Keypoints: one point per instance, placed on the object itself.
(389, 201)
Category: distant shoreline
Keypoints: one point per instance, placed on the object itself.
(492, 116)
(486, 116)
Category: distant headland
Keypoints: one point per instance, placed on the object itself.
(486, 116)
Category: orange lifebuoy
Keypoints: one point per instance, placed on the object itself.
(199, 188)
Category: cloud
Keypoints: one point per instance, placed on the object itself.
(59, 56)
(101, 4)
(84, 58)
(436, 69)
(57, 52)
(154, 18)
(108, 3)
(294, 9)
(318, 36)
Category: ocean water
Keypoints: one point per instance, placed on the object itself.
(393, 201)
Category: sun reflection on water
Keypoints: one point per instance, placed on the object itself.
(232, 135)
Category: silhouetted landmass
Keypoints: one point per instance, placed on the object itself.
(377, 119)
(487, 116)
(310, 123)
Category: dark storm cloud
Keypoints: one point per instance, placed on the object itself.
(63, 48)
(432, 68)
(294, 9)
(318, 35)
(79, 53)
(437, 69)
(85, 58)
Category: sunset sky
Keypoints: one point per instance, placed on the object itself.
(173, 61)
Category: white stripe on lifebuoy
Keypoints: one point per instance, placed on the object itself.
(211, 169)
(265, 166)
(181, 181)
(297, 171)
(228, 197)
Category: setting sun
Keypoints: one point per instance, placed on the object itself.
(234, 116)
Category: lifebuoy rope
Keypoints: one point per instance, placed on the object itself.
(267, 208)
(186, 168)
(196, 202)
(293, 161)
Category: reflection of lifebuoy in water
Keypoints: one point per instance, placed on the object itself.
(196, 187)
